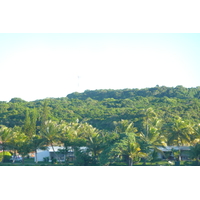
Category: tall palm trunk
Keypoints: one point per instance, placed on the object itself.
(14, 156)
(65, 154)
(22, 160)
(95, 157)
(36, 159)
(130, 162)
(197, 159)
(55, 153)
(179, 156)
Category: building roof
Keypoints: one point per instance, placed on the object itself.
(169, 148)
(56, 148)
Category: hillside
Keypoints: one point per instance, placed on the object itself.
(101, 108)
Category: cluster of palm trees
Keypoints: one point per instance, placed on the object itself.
(126, 142)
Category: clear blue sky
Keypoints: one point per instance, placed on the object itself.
(36, 66)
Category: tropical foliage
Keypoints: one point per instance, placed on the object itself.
(114, 125)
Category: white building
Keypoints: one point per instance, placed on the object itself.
(168, 151)
(49, 154)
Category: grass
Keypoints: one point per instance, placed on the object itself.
(30, 162)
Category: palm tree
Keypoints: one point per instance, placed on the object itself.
(195, 138)
(70, 136)
(180, 133)
(152, 141)
(134, 152)
(37, 142)
(94, 140)
(124, 127)
(149, 117)
(50, 133)
(127, 147)
(109, 139)
(151, 138)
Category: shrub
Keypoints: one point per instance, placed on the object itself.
(46, 159)
(54, 160)
(7, 156)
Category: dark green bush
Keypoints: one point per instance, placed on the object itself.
(54, 160)
(46, 159)
(7, 156)
(187, 163)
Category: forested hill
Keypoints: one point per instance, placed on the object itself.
(101, 108)
(163, 91)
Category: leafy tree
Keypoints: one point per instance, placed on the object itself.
(17, 100)
(195, 152)
(5, 136)
(44, 116)
(20, 142)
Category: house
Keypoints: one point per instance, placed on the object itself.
(60, 154)
(49, 154)
(168, 152)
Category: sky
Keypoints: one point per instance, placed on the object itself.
(41, 65)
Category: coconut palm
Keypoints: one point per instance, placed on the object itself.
(151, 142)
(49, 132)
(110, 138)
(128, 148)
(124, 127)
(37, 142)
(195, 138)
(127, 145)
(149, 117)
(70, 136)
(94, 140)
(180, 133)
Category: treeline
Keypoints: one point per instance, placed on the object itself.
(158, 91)
(101, 113)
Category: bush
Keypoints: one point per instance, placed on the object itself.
(7, 156)
(83, 159)
(46, 159)
(187, 163)
(194, 163)
(54, 160)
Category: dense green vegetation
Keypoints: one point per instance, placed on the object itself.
(116, 125)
